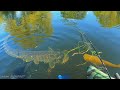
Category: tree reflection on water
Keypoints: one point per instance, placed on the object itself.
(108, 19)
(29, 29)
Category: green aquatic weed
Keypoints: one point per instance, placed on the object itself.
(95, 53)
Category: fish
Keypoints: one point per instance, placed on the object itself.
(35, 56)
(95, 60)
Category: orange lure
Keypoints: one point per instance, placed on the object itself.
(95, 60)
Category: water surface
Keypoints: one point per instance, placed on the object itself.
(38, 34)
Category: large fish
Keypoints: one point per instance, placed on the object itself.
(95, 60)
(50, 56)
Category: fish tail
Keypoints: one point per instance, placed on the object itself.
(118, 66)
(111, 64)
(114, 65)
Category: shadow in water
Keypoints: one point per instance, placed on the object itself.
(20, 72)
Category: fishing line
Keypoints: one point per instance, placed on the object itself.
(84, 37)
(98, 56)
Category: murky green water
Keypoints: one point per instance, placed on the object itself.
(33, 44)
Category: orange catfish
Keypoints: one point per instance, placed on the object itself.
(95, 60)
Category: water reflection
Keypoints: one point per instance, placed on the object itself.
(73, 14)
(30, 28)
(108, 19)
(8, 14)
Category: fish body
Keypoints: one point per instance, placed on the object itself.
(95, 60)
(52, 57)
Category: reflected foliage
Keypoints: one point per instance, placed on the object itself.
(4, 15)
(108, 18)
(30, 28)
(73, 14)
(69, 15)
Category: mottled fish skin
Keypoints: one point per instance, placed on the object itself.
(35, 56)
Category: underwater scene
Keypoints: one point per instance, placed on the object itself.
(59, 44)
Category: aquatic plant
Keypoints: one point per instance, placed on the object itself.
(65, 59)
(82, 48)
